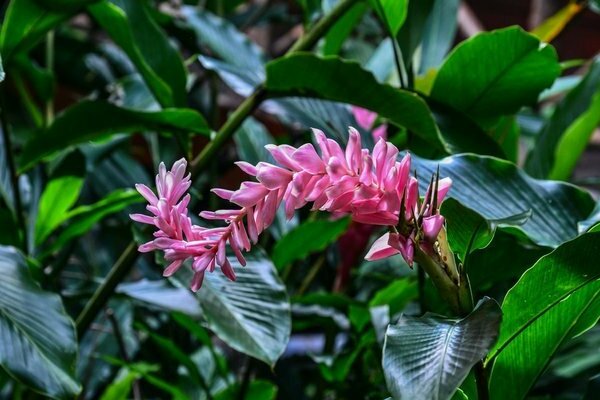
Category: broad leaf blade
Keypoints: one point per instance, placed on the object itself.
(496, 73)
(392, 13)
(497, 189)
(94, 120)
(38, 345)
(566, 284)
(427, 358)
(440, 30)
(334, 79)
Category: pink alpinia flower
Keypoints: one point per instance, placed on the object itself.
(372, 188)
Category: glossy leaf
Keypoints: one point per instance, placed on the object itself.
(468, 231)
(38, 345)
(339, 32)
(396, 295)
(439, 33)
(309, 237)
(337, 80)
(507, 69)
(567, 132)
(83, 218)
(392, 13)
(566, 284)
(95, 120)
(497, 189)
(257, 389)
(428, 357)
(132, 28)
(160, 294)
(252, 314)
(410, 35)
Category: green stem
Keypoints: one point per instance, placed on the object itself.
(100, 297)
(50, 67)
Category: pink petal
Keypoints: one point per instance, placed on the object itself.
(354, 150)
(381, 249)
(380, 132)
(147, 193)
(364, 118)
(249, 194)
(247, 167)
(283, 155)
(197, 281)
(273, 177)
(144, 219)
(431, 227)
(306, 156)
(223, 193)
(172, 268)
(227, 270)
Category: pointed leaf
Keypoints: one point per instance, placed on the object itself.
(392, 13)
(427, 358)
(496, 73)
(38, 345)
(556, 299)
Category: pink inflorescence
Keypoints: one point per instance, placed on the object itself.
(374, 188)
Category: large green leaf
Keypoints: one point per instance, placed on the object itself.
(410, 35)
(24, 24)
(564, 137)
(252, 314)
(38, 345)
(427, 358)
(497, 189)
(496, 73)
(94, 120)
(334, 79)
(149, 49)
(161, 295)
(556, 299)
(307, 238)
(339, 32)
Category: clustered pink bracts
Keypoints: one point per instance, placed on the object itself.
(373, 188)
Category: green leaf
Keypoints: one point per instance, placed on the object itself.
(149, 49)
(160, 294)
(555, 300)
(334, 79)
(392, 13)
(468, 231)
(2, 74)
(339, 32)
(564, 137)
(428, 357)
(439, 33)
(410, 35)
(120, 388)
(309, 237)
(497, 189)
(6, 188)
(38, 345)
(552, 26)
(396, 295)
(496, 73)
(84, 218)
(59, 195)
(257, 390)
(252, 314)
(94, 120)
(591, 220)
(25, 23)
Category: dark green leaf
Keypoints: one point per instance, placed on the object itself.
(440, 30)
(339, 32)
(2, 75)
(38, 345)
(497, 189)
(410, 35)
(6, 189)
(309, 237)
(564, 137)
(591, 220)
(496, 73)
(94, 120)
(257, 390)
(252, 314)
(334, 79)
(147, 46)
(554, 300)
(25, 23)
(396, 295)
(428, 357)
(83, 218)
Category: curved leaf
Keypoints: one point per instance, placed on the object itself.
(440, 30)
(496, 73)
(93, 120)
(252, 314)
(427, 358)
(334, 79)
(392, 13)
(571, 124)
(497, 189)
(566, 300)
(38, 345)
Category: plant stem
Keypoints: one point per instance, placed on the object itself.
(50, 68)
(100, 297)
(12, 170)
(312, 273)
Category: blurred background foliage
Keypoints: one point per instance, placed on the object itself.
(96, 93)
